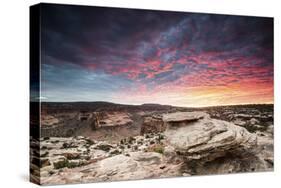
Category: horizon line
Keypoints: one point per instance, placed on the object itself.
(266, 103)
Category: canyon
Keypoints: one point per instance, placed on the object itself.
(93, 142)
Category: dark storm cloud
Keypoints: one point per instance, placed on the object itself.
(99, 36)
(152, 48)
(73, 34)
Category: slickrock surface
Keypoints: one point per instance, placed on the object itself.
(136, 165)
(63, 157)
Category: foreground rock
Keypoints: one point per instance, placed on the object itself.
(136, 165)
(210, 146)
(174, 144)
(206, 138)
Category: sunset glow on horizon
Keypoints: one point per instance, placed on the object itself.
(141, 56)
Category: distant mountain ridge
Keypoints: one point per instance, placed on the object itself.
(57, 107)
(84, 106)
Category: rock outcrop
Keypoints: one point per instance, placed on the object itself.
(152, 124)
(135, 165)
(173, 144)
(183, 117)
(205, 138)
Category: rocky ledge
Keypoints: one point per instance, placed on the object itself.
(206, 138)
(192, 143)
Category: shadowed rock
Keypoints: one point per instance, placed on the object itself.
(152, 125)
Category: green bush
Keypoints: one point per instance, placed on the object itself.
(159, 149)
(61, 164)
(65, 163)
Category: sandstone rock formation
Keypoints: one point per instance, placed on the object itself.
(183, 117)
(206, 138)
(210, 146)
(171, 144)
(136, 165)
(152, 124)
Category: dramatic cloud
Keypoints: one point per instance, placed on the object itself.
(142, 56)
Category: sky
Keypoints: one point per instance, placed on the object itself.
(134, 56)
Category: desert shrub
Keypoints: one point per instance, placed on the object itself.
(160, 137)
(66, 145)
(90, 142)
(104, 147)
(122, 141)
(66, 163)
(74, 164)
(158, 148)
(252, 128)
(131, 140)
(61, 164)
(115, 152)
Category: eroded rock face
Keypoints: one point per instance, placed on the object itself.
(115, 119)
(152, 125)
(208, 138)
(49, 120)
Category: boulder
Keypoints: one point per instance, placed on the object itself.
(147, 158)
(254, 121)
(239, 122)
(207, 139)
